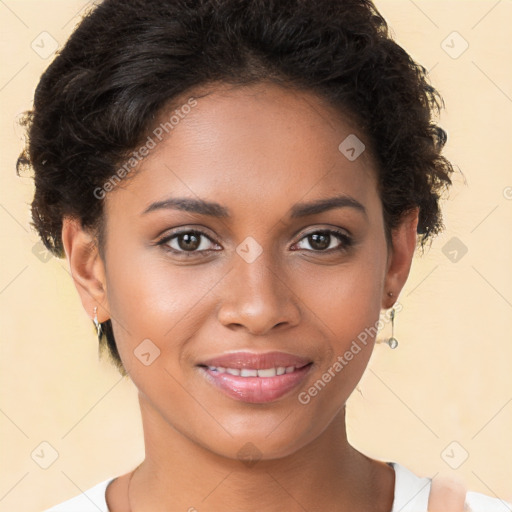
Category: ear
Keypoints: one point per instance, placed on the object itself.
(400, 254)
(86, 267)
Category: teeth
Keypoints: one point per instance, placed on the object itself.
(251, 372)
(269, 372)
(246, 372)
(219, 369)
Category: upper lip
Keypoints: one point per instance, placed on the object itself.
(257, 361)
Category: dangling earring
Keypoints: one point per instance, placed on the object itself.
(392, 342)
(96, 323)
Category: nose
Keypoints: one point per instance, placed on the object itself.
(257, 297)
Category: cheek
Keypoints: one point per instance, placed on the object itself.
(150, 296)
(351, 330)
(345, 303)
(156, 307)
(344, 299)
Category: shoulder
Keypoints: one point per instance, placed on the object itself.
(412, 494)
(91, 500)
(411, 491)
(483, 503)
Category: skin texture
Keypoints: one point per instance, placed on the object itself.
(257, 150)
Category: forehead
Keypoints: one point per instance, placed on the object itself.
(260, 147)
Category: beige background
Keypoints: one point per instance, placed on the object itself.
(449, 381)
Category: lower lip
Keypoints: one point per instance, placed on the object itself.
(257, 390)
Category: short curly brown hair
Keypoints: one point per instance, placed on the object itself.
(129, 59)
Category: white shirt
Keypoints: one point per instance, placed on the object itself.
(411, 495)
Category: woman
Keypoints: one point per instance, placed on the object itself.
(239, 189)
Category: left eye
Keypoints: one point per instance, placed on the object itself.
(323, 241)
(187, 242)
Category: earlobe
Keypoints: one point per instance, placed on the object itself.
(404, 240)
(86, 267)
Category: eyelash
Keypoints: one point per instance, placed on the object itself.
(346, 242)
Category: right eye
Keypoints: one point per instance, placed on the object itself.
(187, 242)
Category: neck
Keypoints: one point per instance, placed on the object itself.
(179, 474)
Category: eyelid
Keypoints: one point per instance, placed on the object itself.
(326, 228)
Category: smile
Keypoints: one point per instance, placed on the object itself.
(256, 378)
(252, 372)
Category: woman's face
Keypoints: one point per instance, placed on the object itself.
(222, 258)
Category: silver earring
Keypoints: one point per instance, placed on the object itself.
(96, 323)
(392, 342)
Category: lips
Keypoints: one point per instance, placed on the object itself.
(256, 378)
(255, 361)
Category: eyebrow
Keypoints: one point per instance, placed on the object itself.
(322, 205)
(189, 205)
(214, 209)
